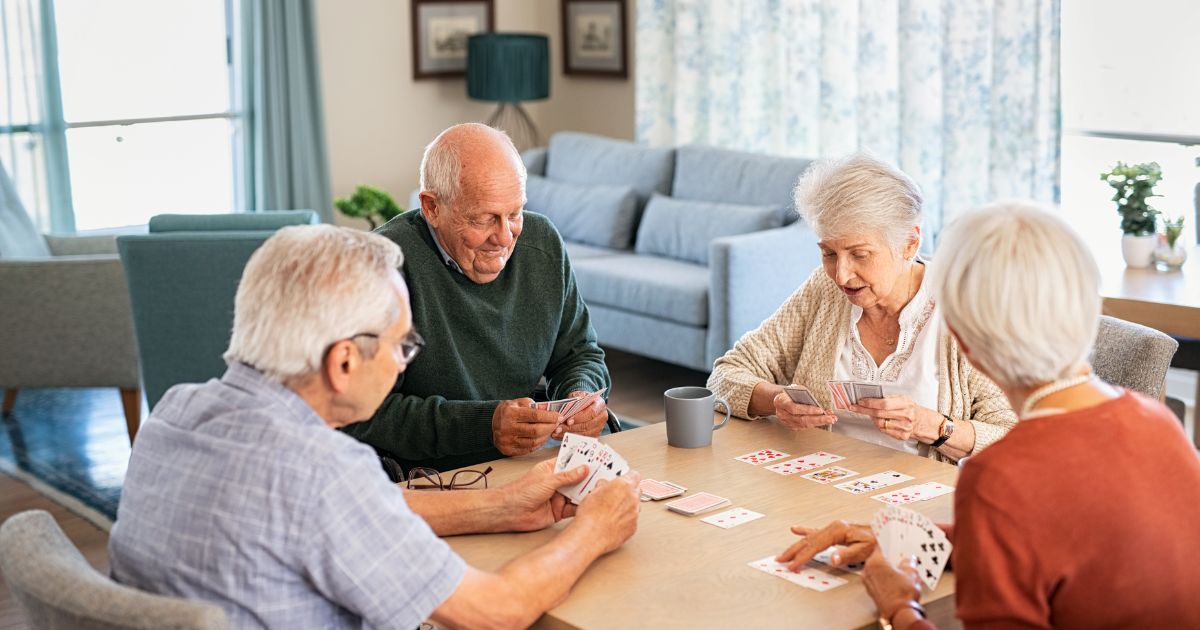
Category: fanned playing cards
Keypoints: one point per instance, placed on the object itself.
(901, 533)
(569, 407)
(602, 462)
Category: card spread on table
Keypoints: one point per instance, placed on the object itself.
(697, 503)
(846, 393)
(801, 395)
(808, 577)
(871, 483)
(761, 456)
(807, 462)
(602, 462)
(654, 490)
(825, 556)
(829, 475)
(901, 533)
(569, 407)
(919, 492)
(732, 518)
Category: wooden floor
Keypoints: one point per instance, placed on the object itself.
(638, 384)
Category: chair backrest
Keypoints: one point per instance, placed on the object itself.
(183, 278)
(55, 586)
(1132, 356)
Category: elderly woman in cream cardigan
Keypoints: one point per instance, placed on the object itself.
(866, 315)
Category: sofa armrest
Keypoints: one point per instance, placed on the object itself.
(66, 322)
(82, 245)
(751, 275)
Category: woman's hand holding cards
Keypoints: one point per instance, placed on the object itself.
(900, 417)
(798, 415)
(856, 543)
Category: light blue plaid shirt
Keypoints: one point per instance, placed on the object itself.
(239, 494)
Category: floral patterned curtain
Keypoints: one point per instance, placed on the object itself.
(963, 95)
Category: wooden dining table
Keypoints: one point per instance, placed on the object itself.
(677, 571)
(1164, 300)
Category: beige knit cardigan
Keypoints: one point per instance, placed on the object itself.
(799, 344)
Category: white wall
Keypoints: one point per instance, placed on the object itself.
(378, 119)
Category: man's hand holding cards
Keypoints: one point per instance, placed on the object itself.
(602, 462)
(583, 412)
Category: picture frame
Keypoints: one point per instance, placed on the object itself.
(439, 34)
(595, 41)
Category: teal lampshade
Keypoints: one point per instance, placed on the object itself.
(508, 67)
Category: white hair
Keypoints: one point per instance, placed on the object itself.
(441, 164)
(306, 288)
(859, 194)
(1021, 290)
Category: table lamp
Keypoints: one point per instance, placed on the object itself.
(509, 68)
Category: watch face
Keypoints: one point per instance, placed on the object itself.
(949, 428)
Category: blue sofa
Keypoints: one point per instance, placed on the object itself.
(677, 251)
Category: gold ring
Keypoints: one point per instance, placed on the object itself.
(885, 422)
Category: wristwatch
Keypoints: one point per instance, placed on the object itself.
(886, 624)
(944, 433)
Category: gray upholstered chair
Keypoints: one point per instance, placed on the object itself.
(55, 587)
(65, 319)
(1132, 356)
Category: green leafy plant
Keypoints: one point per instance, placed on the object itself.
(1134, 184)
(1172, 230)
(368, 203)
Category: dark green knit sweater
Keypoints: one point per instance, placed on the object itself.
(483, 343)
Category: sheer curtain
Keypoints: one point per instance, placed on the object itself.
(961, 95)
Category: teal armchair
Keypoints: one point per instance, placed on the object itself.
(183, 278)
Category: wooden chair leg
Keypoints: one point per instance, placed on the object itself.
(131, 399)
(10, 400)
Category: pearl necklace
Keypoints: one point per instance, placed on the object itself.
(1051, 388)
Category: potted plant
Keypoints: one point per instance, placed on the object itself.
(1134, 185)
(368, 203)
(1170, 253)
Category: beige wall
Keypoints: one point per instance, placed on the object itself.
(378, 119)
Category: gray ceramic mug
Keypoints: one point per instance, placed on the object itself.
(690, 416)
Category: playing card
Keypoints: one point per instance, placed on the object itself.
(571, 442)
(903, 533)
(654, 490)
(919, 492)
(874, 482)
(761, 456)
(829, 475)
(568, 407)
(808, 577)
(801, 395)
(825, 556)
(732, 518)
(801, 464)
(866, 390)
(841, 398)
(697, 503)
(605, 464)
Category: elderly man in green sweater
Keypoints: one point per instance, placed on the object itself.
(497, 313)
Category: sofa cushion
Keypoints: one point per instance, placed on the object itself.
(683, 229)
(594, 214)
(579, 251)
(581, 158)
(711, 174)
(659, 287)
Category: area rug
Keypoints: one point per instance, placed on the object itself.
(71, 446)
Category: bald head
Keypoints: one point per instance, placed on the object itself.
(466, 156)
(472, 193)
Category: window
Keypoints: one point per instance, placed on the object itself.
(1129, 93)
(146, 122)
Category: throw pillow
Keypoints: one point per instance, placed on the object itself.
(683, 229)
(594, 214)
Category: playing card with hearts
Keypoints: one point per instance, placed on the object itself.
(808, 577)
(761, 456)
(874, 482)
(919, 492)
(807, 462)
(602, 462)
(732, 518)
(829, 475)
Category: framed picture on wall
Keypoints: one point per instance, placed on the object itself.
(439, 34)
(594, 38)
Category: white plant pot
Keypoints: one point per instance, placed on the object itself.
(1138, 250)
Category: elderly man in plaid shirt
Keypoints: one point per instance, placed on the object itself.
(240, 492)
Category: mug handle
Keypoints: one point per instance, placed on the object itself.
(721, 401)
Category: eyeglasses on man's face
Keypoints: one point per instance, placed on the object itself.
(404, 350)
(430, 479)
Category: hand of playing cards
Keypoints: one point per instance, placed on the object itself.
(602, 462)
(901, 532)
(569, 407)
